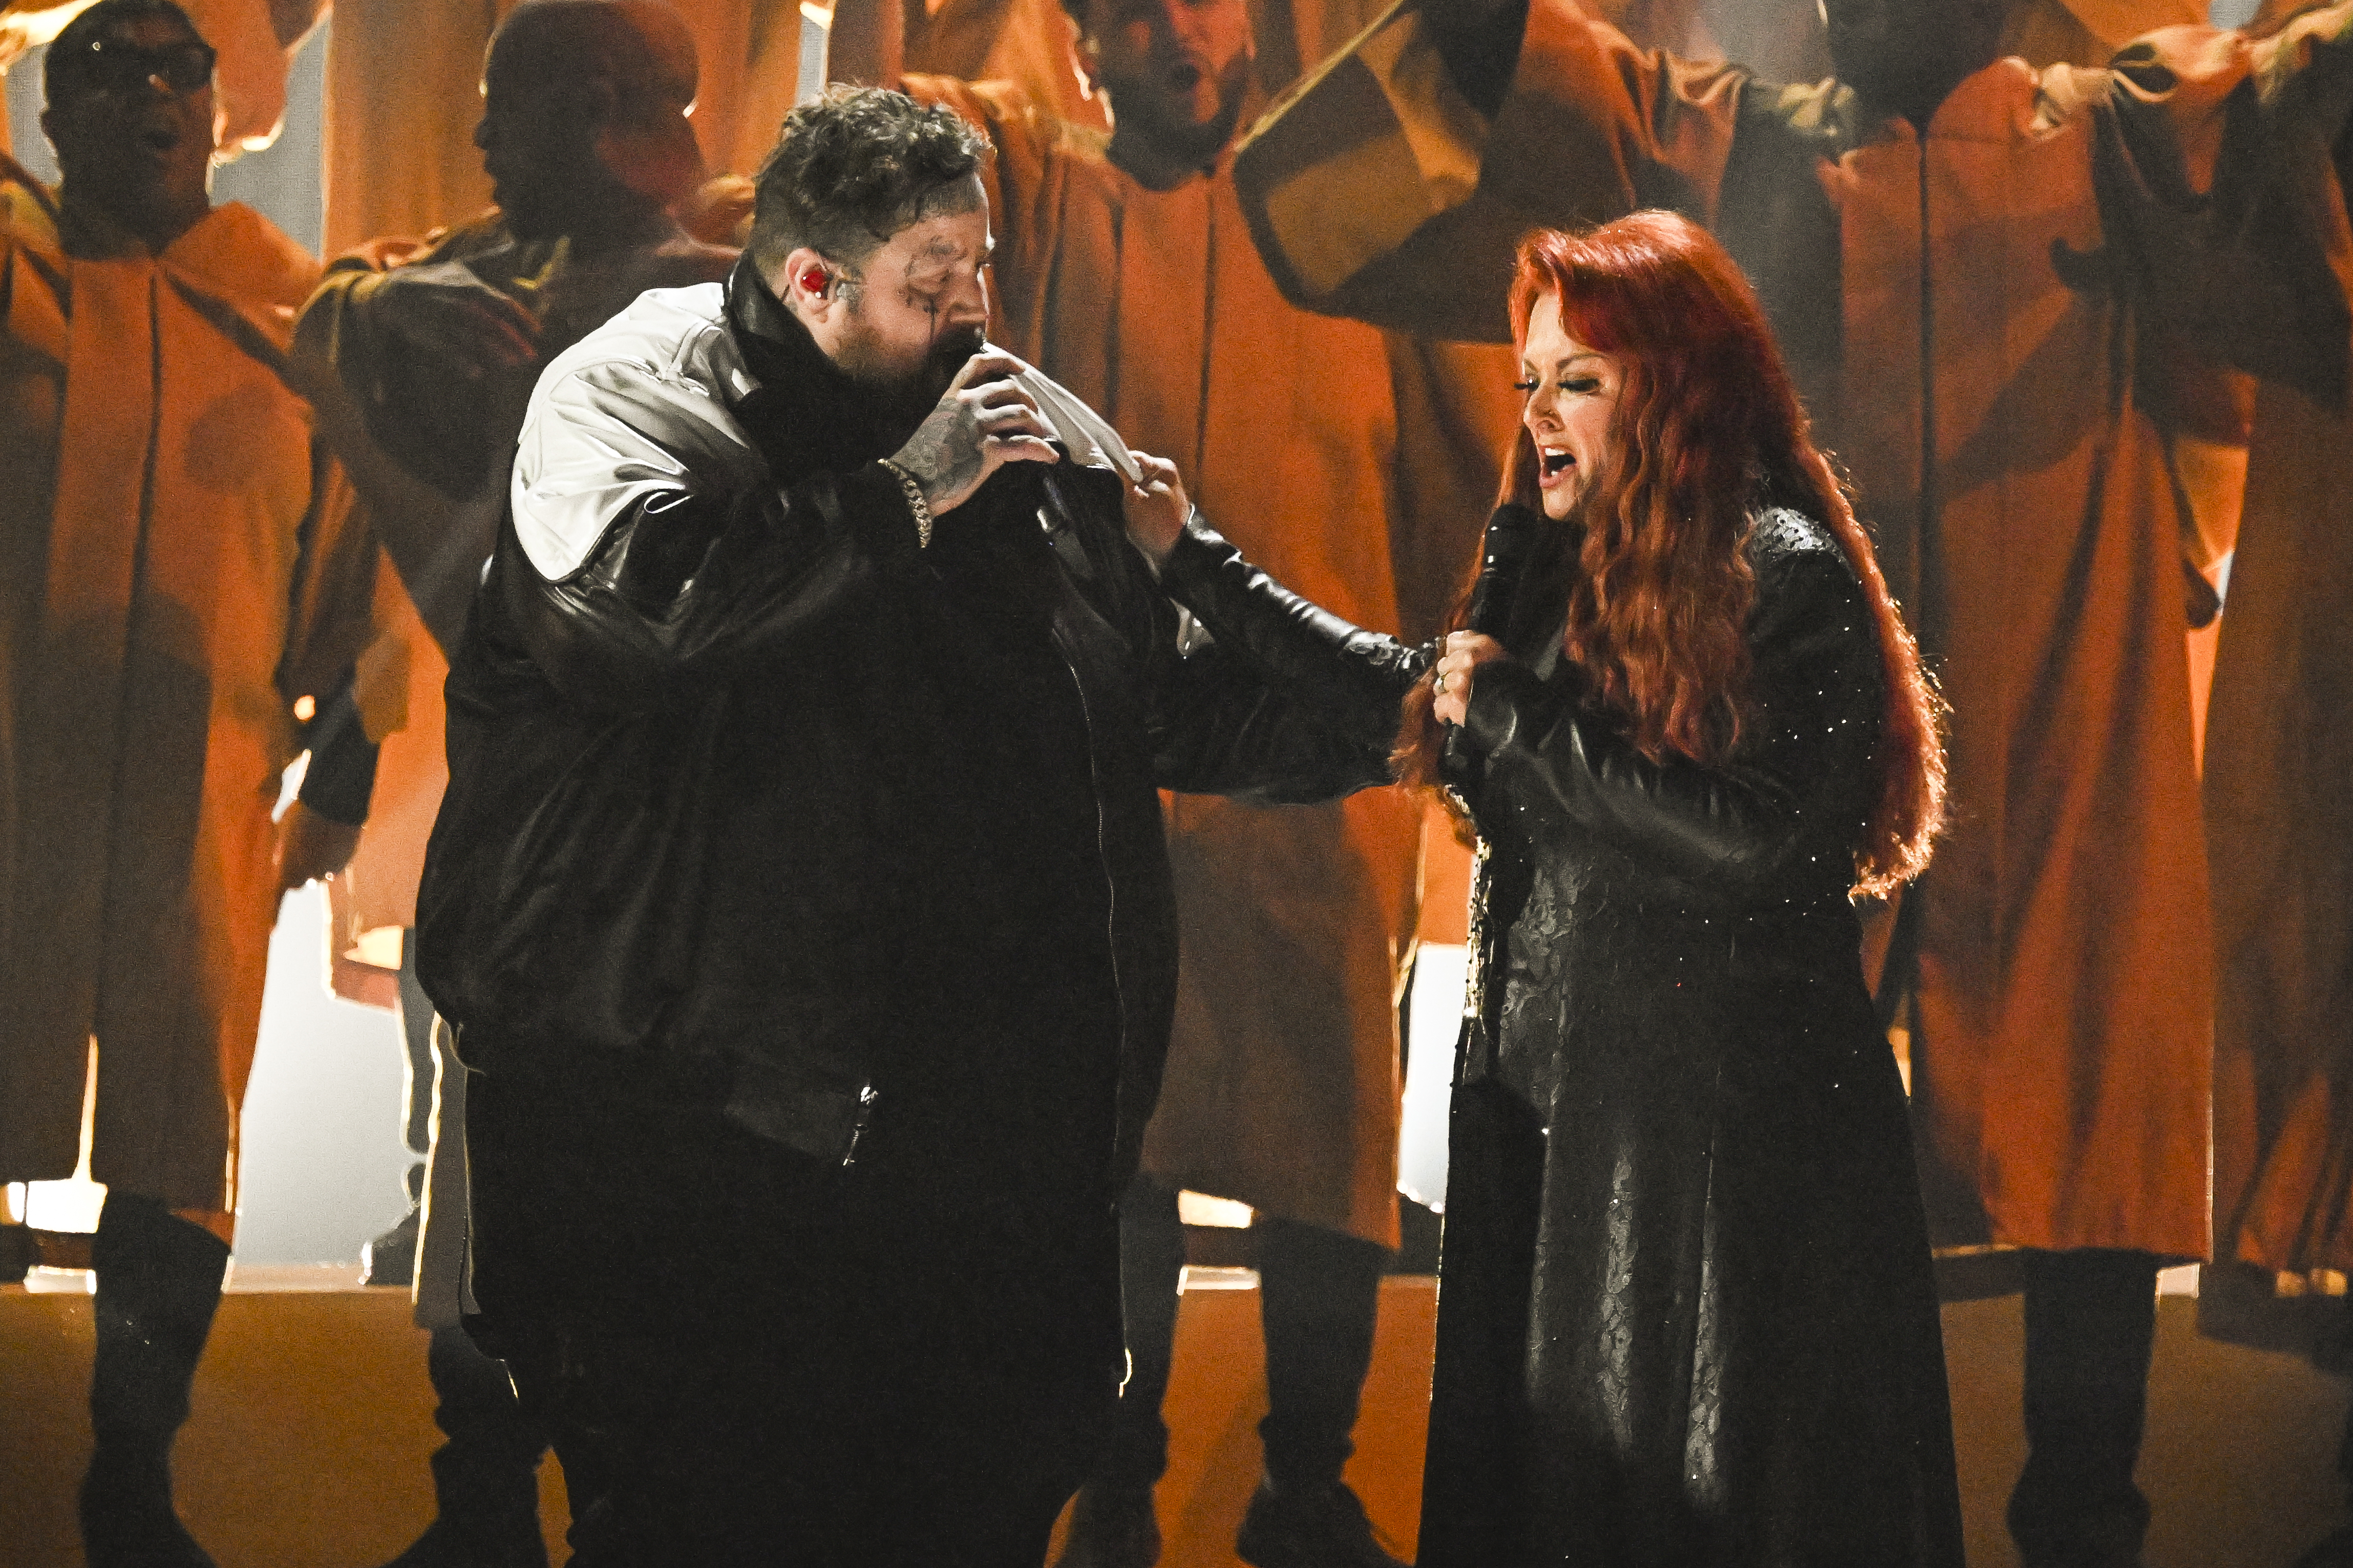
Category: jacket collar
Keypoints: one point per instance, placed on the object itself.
(803, 412)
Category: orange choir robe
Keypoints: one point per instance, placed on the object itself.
(2279, 753)
(166, 594)
(2067, 980)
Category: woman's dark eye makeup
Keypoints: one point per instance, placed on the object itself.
(1580, 384)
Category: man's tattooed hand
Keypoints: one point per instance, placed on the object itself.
(983, 421)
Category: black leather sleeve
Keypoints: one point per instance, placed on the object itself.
(1217, 728)
(1786, 810)
(1352, 679)
(1285, 702)
(685, 590)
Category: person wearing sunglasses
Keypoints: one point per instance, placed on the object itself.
(156, 526)
(130, 108)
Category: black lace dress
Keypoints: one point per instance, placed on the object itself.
(1685, 1317)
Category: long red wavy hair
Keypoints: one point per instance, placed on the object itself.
(1708, 428)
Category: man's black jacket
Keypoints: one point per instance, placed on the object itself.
(752, 796)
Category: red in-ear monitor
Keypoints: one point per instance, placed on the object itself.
(815, 279)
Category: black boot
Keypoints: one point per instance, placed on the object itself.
(159, 1281)
(1319, 1295)
(486, 1477)
(1111, 1527)
(1309, 1527)
(2091, 1320)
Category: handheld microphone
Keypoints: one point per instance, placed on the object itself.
(1503, 553)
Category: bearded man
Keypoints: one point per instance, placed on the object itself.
(2008, 295)
(799, 895)
(166, 598)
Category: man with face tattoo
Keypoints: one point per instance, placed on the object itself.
(422, 369)
(166, 599)
(2008, 296)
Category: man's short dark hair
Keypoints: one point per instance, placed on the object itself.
(62, 69)
(855, 167)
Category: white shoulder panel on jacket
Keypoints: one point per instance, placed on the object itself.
(635, 411)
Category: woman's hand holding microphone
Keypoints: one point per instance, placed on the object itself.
(1457, 667)
(1513, 531)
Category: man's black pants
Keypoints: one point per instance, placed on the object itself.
(742, 1361)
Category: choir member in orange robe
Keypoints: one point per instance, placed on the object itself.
(2280, 848)
(398, 161)
(2015, 393)
(255, 39)
(2279, 819)
(167, 596)
(425, 367)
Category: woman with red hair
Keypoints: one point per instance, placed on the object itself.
(1686, 1318)
(1687, 1315)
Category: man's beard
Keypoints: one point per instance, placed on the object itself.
(903, 398)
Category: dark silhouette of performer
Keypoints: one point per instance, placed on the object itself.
(426, 365)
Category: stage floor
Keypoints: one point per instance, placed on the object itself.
(313, 1420)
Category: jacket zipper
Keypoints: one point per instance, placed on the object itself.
(1102, 846)
(1111, 893)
